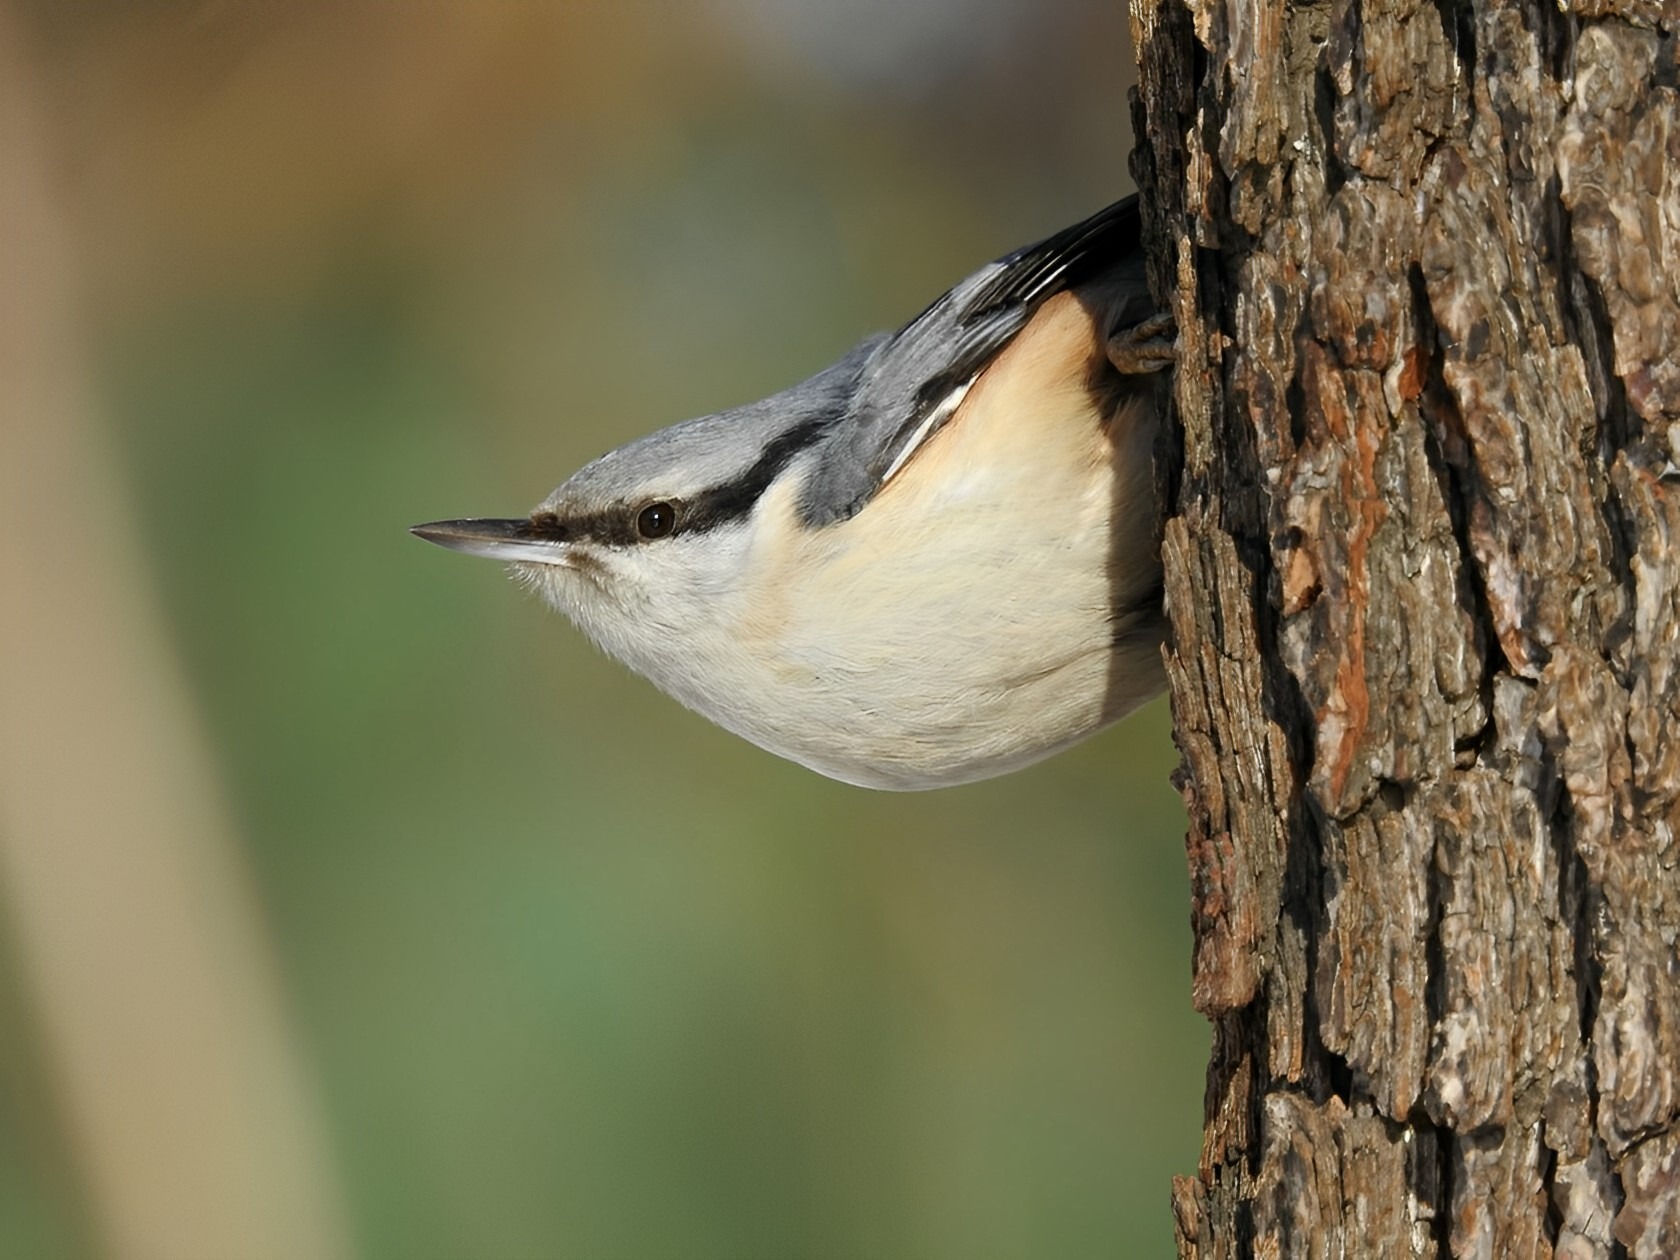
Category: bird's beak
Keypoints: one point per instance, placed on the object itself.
(522, 540)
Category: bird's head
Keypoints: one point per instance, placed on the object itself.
(646, 546)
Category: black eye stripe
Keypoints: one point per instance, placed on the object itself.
(731, 500)
(713, 507)
(612, 528)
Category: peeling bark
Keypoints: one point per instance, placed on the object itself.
(1423, 572)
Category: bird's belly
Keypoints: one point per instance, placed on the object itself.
(948, 649)
(932, 723)
(952, 685)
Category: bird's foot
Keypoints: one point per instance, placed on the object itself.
(1151, 346)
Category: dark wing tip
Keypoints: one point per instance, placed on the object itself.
(1063, 259)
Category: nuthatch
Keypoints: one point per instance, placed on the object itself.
(936, 561)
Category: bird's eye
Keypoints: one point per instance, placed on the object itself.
(656, 520)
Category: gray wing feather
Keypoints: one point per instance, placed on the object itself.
(906, 389)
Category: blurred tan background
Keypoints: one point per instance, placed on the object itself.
(349, 904)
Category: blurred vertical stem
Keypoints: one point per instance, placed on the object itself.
(140, 944)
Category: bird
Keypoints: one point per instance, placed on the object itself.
(934, 562)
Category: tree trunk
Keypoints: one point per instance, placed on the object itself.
(1423, 570)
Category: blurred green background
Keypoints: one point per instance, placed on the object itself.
(549, 966)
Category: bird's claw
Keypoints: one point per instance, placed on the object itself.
(1151, 346)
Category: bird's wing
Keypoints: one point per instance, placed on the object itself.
(914, 381)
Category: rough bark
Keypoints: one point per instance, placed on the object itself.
(1423, 571)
